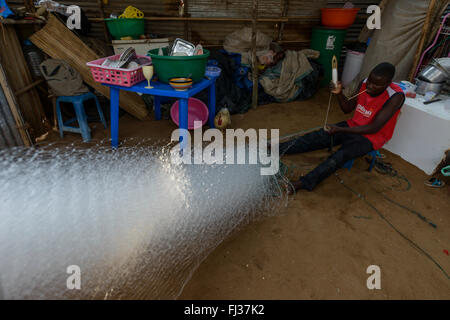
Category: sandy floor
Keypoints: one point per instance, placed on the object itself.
(320, 246)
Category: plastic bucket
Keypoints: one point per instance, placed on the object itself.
(167, 67)
(352, 66)
(125, 27)
(338, 17)
(329, 43)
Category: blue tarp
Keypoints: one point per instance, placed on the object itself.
(5, 12)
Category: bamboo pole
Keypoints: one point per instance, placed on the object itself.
(13, 106)
(425, 29)
(283, 15)
(254, 59)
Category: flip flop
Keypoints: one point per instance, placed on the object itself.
(434, 183)
(446, 171)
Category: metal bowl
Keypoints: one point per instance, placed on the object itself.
(433, 73)
(425, 86)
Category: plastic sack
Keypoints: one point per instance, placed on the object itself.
(5, 12)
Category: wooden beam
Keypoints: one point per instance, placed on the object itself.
(208, 19)
(22, 21)
(425, 29)
(14, 107)
(254, 59)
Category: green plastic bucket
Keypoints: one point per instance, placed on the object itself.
(329, 42)
(125, 27)
(167, 67)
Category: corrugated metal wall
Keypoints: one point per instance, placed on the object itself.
(303, 16)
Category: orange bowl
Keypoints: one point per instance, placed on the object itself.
(338, 17)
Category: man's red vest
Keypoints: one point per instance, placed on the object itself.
(366, 110)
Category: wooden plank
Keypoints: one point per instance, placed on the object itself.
(15, 110)
(59, 42)
(19, 77)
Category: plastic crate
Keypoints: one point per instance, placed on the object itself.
(117, 76)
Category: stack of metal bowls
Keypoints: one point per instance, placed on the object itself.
(433, 77)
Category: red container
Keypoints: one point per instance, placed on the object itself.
(117, 76)
(338, 18)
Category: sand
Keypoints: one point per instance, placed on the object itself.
(320, 246)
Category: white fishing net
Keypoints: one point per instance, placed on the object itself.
(136, 225)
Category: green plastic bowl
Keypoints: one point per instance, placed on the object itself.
(167, 67)
(125, 27)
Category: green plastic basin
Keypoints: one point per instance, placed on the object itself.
(167, 67)
(125, 27)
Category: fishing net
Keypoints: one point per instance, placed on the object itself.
(136, 225)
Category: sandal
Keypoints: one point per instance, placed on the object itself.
(434, 183)
(446, 171)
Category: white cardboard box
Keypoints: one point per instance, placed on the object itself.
(141, 46)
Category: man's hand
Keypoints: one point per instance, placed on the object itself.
(336, 89)
(332, 129)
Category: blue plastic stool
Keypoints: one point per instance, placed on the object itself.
(373, 154)
(78, 104)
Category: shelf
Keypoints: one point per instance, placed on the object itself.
(22, 21)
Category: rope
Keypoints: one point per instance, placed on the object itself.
(415, 245)
(285, 170)
(328, 111)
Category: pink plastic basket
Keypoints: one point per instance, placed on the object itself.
(117, 76)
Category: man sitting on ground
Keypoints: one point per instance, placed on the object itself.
(376, 112)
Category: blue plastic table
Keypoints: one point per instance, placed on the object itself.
(162, 90)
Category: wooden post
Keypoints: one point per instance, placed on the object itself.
(187, 24)
(425, 29)
(254, 61)
(13, 106)
(102, 16)
(283, 14)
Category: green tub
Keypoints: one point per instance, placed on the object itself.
(167, 67)
(125, 27)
